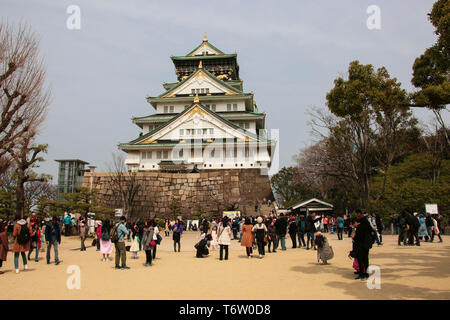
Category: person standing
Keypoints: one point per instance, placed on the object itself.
(156, 237)
(310, 228)
(402, 229)
(22, 236)
(166, 228)
(281, 226)
(293, 229)
(429, 224)
(241, 224)
(148, 242)
(247, 237)
(301, 229)
(98, 234)
(224, 236)
(4, 248)
(105, 240)
(177, 229)
(423, 234)
(35, 241)
(67, 225)
(52, 238)
(260, 232)
(121, 253)
(380, 227)
(362, 243)
(340, 228)
(436, 230)
(83, 231)
(325, 224)
(414, 229)
(272, 236)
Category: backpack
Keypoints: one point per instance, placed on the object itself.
(24, 235)
(105, 235)
(113, 234)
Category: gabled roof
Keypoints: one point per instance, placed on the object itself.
(196, 74)
(194, 105)
(205, 44)
(310, 201)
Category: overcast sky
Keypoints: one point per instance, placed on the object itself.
(289, 53)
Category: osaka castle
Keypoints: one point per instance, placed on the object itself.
(203, 121)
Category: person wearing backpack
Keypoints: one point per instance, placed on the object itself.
(22, 239)
(260, 231)
(52, 238)
(118, 237)
(105, 240)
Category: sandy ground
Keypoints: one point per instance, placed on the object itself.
(406, 273)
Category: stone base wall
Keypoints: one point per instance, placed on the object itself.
(210, 191)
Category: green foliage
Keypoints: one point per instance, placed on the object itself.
(7, 203)
(286, 185)
(431, 69)
(410, 185)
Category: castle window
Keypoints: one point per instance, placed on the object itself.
(181, 132)
(202, 90)
(213, 107)
(207, 90)
(158, 154)
(229, 107)
(165, 154)
(166, 109)
(171, 109)
(247, 125)
(193, 91)
(235, 107)
(211, 131)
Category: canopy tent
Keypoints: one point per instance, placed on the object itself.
(312, 205)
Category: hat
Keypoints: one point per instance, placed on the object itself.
(421, 215)
(259, 220)
(291, 219)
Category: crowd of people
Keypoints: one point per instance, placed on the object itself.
(254, 233)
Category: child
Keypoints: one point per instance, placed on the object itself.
(214, 238)
(324, 250)
(134, 249)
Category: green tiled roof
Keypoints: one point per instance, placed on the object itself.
(210, 75)
(220, 118)
(210, 44)
(204, 57)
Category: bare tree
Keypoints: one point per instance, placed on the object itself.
(26, 156)
(35, 191)
(23, 98)
(123, 184)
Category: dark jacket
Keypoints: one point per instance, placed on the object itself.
(363, 238)
(293, 227)
(309, 224)
(52, 232)
(272, 233)
(281, 226)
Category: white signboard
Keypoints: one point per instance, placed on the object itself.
(118, 213)
(431, 208)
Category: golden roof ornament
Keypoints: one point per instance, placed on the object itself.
(205, 39)
(196, 99)
(200, 65)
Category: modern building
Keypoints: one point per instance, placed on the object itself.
(204, 121)
(70, 175)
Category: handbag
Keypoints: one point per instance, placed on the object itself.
(152, 243)
(158, 239)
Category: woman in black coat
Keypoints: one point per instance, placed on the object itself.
(202, 246)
